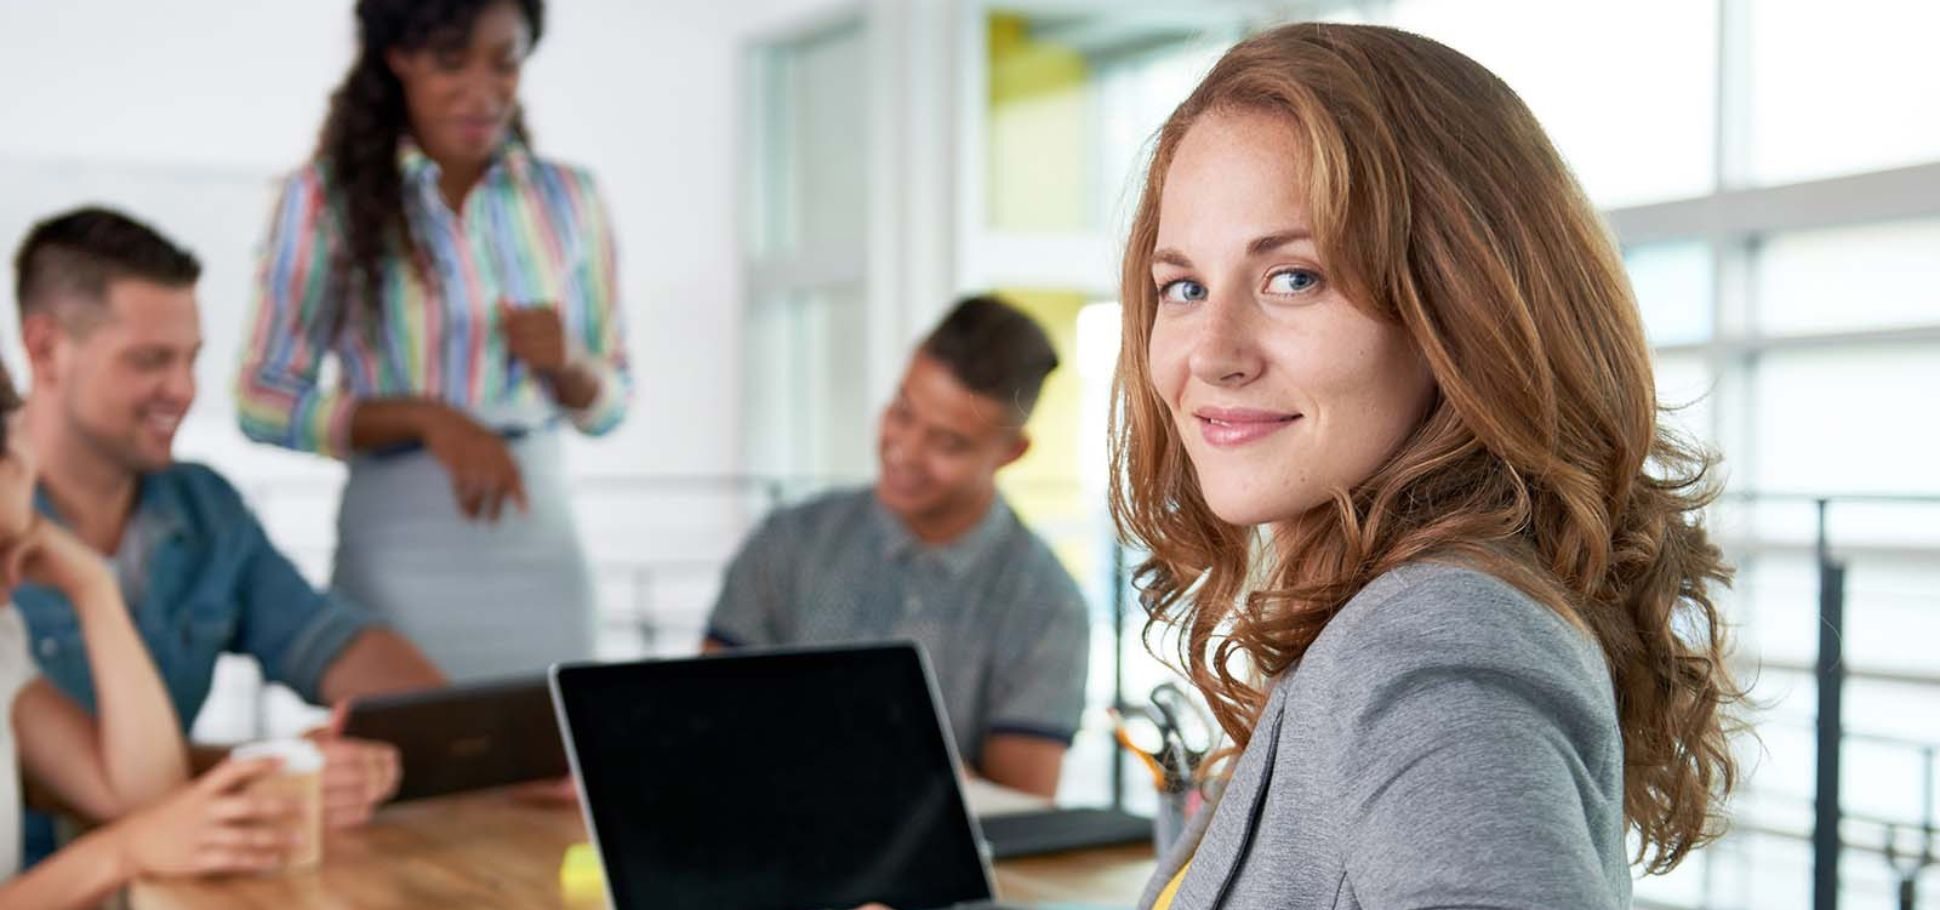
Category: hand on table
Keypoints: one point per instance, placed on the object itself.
(358, 774)
(212, 826)
(561, 792)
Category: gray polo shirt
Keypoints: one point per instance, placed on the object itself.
(1004, 624)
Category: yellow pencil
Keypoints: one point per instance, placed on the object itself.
(1125, 740)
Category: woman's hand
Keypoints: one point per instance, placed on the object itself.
(51, 555)
(213, 826)
(484, 475)
(536, 336)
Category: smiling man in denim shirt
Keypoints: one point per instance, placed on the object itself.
(109, 319)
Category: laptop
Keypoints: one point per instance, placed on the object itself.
(794, 779)
(466, 737)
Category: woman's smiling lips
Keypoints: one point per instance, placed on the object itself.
(1234, 427)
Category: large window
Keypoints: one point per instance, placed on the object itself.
(1853, 278)
(1838, 89)
(805, 399)
(1633, 131)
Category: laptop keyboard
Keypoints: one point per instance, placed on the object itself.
(1058, 830)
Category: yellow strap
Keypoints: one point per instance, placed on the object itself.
(1171, 888)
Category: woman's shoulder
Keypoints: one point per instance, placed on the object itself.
(304, 197)
(567, 188)
(1448, 603)
(1443, 617)
(555, 172)
(311, 178)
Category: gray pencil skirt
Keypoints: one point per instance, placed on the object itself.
(483, 600)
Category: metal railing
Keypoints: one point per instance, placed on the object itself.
(1830, 675)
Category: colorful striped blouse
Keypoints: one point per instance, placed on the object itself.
(532, 232)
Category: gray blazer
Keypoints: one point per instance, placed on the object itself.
(1446, 742)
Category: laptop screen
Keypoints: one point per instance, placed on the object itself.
(772, 781)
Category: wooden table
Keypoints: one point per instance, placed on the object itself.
(489, 850)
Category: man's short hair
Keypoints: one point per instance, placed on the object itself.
(995, 350)
(75, 255)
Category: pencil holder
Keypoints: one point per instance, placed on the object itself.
(1176, 806)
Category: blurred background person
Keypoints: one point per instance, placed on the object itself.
(465, 290)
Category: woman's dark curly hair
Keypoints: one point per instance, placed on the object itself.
(367, 118)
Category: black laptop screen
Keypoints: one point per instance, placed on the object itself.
(778, 781)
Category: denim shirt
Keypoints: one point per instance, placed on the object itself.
(213, 583)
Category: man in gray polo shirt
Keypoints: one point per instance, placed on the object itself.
(932, 553)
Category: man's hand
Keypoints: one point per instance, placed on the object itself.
(560, 792)
(358, 775)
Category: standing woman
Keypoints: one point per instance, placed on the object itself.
(465, 290)
(1388, 429)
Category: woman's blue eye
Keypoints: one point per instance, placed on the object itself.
(1182, 291)
(1292, 281)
